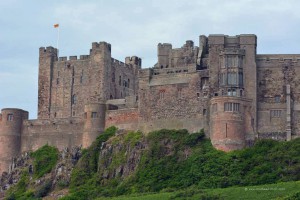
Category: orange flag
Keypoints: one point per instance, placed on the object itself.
(56, 25)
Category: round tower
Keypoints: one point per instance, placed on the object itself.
(11, 121)
(228, 122)
(94, 115)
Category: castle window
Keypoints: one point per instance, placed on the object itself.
(73, 113)
(228, 106)
(179, 92)
(55, 114)
(240, 79)
(229, 92)
(231, 79)
(94, 115)
(81, 77)
(10, 117)
(74, 99)
(204, 82)
(162, 94)
(275, 113)
(57, 81)
(277, 99)
(113, 78)
(204, 111)
(233, 92)
(231, 61)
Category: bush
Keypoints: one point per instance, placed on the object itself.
(43, 190)
(45, 159)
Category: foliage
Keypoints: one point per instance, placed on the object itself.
(20, 191)
(84, 176)
(43, 190)
(175, 160)
(279, 191)
(45, 158)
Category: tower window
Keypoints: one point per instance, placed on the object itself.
(94, 115)
(235, 107)
(74, 99)
(275, 113)
(10, 117)
(162, 94)
(277, 99)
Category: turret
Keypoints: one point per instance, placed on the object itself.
(47, 57)
(233, 79)
(101, 62)
(163, 53)
(11, 121)
(94, 115)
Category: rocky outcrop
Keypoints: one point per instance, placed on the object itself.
(58, 178)
(119, 157)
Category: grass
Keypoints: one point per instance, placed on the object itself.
(45, 159)
(267, 192)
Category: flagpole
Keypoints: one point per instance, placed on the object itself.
(57, 41)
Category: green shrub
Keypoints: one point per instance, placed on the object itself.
(45, 159)
(43, 190)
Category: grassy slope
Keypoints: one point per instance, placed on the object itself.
(175, 160)
(269, 191)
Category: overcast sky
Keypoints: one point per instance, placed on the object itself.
(133, 27)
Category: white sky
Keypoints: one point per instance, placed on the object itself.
(133, 27)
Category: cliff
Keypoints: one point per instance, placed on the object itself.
(125, 162)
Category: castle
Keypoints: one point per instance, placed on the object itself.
(222, 85)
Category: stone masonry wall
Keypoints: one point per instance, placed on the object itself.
(275, 72)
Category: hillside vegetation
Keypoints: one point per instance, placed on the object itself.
(175, 159)
(174, 164)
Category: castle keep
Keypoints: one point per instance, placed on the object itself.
(221, 85)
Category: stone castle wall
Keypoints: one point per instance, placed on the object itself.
(221, 85)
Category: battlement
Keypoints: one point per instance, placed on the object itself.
(271, 59)
(232, 41)
(118, 62)
(81, 57)
(47, 50)
(101, 45)
(133, 60)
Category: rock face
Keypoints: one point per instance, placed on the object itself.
(58, 178)
(119, 157)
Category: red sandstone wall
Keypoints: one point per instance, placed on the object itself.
(123, 119)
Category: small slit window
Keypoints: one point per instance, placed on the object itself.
(10, 117)
(74, 99)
